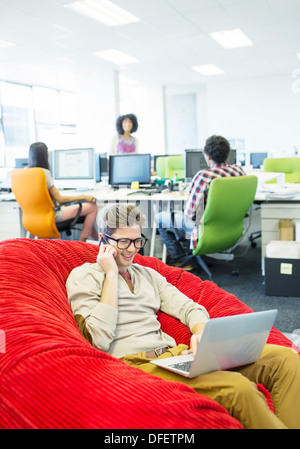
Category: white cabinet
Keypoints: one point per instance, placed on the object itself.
(9, 220)
(271, 213)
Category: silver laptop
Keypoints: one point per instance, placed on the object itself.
(226, 343)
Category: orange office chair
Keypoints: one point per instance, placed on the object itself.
(38, 212)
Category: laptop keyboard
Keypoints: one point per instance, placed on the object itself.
(184, 366)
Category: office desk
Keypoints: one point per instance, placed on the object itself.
(11, 214)
(272, 208)
(264, 177)
(276, 201)
(149, 204)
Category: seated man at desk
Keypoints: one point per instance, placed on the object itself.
(216, 152)
(115, 301)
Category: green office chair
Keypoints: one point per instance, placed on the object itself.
(161, 166)
(167, 166)
(288, 165)
(222, 223)
(175, 164)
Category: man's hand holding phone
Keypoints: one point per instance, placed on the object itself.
(106, 258)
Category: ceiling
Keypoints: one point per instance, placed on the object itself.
(172, 36)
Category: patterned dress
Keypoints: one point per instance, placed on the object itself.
(126, 145)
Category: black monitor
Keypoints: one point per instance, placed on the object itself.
(232, 157)
(195, 161)
(125, 168)
(101, 162)
(21, 162)
(257, 159)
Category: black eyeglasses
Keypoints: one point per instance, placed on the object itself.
(125, 243)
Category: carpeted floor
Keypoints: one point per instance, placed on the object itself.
(248, 286)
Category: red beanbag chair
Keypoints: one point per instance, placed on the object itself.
(51, 377)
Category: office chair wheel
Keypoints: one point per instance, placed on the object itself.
(253, 236)
(235, 271)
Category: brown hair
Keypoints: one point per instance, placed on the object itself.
(217, 148)
(119, 216)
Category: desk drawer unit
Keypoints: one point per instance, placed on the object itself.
(9, 220)
(271, 213)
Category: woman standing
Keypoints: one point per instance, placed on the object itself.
(124, 142)
(39, 157)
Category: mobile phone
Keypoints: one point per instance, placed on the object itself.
(102, 240)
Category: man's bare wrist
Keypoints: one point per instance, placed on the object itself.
(111, 275)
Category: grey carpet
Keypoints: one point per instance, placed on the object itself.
(248, 286)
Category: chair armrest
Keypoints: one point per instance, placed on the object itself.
(78, 212)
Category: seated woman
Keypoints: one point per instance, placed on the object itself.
(124, 142)
(39, 157)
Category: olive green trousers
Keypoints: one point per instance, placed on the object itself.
(278, 369)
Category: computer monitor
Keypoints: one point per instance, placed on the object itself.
(21, 162)
(101, 162)
(125, 168)
(74, 168)
(195, 161)
(232, 157)
(257, 159)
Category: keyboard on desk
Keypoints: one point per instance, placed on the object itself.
(145, 191)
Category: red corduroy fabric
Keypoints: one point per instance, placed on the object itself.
(51, 377)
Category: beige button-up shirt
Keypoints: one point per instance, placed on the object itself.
(133, 326)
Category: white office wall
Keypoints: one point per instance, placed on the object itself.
(96, 110)
(186, 110)
(147, 104)
(96, 100)
(181, 122)
(263, 111)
